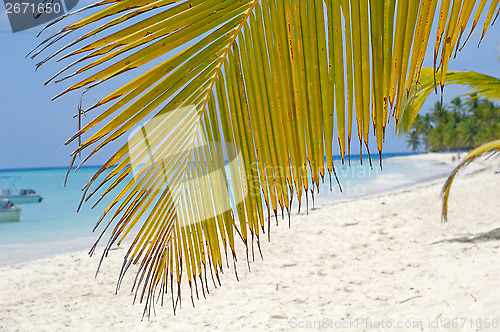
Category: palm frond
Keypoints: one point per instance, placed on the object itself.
(258, 85)
(490, 148)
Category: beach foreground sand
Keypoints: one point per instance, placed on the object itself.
(385, 260)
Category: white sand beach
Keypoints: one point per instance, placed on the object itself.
(384, 262)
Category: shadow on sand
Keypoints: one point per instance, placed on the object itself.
(480, 237)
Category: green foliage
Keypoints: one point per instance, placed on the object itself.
(456, 126)
(481, 85)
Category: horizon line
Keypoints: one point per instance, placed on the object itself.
(42, 168)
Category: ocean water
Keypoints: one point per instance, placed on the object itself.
(54, 226)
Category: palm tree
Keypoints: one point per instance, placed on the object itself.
(490, 126)
(422, 124)
(468, 132)
(450, 136)
(259, 85)
(437, 137)
(457, 106)
(414, 140)
(438, 113)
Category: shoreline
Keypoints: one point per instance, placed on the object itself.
(381, 257)
(43, 249)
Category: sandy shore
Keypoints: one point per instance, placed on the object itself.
(381, 260)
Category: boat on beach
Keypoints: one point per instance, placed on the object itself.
(8, 211)
(23, 196)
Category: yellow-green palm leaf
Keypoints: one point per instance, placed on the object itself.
(491, 148)
(262, 84)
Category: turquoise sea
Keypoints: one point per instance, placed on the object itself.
(54, 226)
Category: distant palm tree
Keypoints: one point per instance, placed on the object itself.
(260, 85)
(457, 106)
(450, 135)
(438, 113)
(437, 137)
(490, 129)
(422, 124)
(414, 140)
(468, 132)
(474, 103)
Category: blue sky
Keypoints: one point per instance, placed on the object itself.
(33, 128)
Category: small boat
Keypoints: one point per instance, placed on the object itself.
(23, 196)
(9, 212)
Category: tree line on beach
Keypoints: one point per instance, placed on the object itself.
(459, 125)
